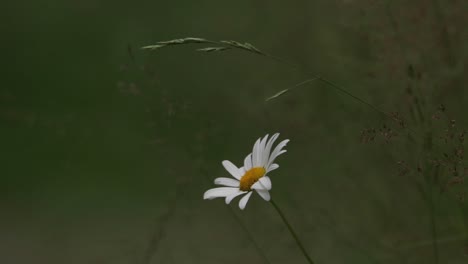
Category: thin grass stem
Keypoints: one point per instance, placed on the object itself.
(293, 233)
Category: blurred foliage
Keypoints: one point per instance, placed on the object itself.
(107, 148)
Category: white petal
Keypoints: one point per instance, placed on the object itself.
(262, 152)
(276, 151)
(226, 182)
(255, 153)
(269, 144)
(244, 200)
(234, 195)
(232, 169)
(258, 186)
(264, 194)
(248, 162)
(219, 192)
(272, 167)
(276, 155)
(266, 182)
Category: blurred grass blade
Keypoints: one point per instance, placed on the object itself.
(189, 40)
(250, 46)
(245, 46)
(184, 41)
(153, 47)
(213, 49)
(223, 45)
(278, 94)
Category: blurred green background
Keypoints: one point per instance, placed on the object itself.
(107, 149)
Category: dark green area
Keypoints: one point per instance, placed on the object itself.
(107, 149)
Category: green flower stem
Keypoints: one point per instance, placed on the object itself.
(299, 243)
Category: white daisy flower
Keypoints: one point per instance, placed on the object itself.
(252, 176)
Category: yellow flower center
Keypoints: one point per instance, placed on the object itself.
(250, 177)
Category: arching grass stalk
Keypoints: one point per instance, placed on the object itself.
(224, 45)
(293, 233)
